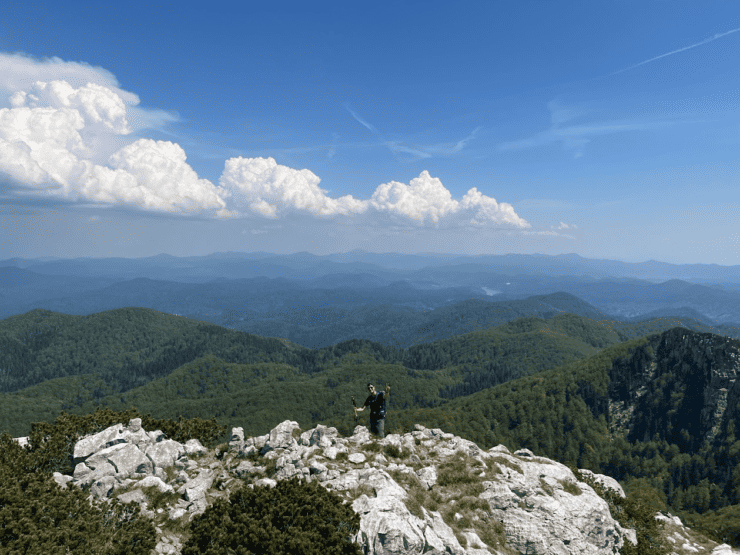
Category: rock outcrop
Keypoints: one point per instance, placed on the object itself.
(422, 492)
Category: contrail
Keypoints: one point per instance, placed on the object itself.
(705, 41)
(359, 119)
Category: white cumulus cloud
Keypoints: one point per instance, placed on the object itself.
(95, 103)
(164, 180)
(263, 187)
(44, 150)
(426, 199)
(68, 134)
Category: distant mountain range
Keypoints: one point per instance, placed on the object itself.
(320, 300)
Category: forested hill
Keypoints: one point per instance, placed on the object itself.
(128, 347)
(51, 362)
(125, 348)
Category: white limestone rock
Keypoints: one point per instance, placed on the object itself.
(194, 447)
(128, 460)
(96, 442)
(427, 476)
(544, 509)
(22, 441)
(321, 436)
(62, 479)
(134, 496)
(154, 481)
(165, 453)
(724, 549)
(281, 437)
(196, 488)
(101, 488)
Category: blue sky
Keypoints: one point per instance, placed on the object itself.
(606, 129)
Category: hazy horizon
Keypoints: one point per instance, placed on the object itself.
(431, 254)
(603, 129)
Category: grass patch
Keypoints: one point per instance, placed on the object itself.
(359, 491)
(373, 446)
(160, 499)
(471, 503)
(492, 533)
(455, 472)
(545, 486)
(570, 487)
(395, 452)
(171, 472)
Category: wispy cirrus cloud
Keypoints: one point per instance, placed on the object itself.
(418, 152)
(700, 43)
(576, 136)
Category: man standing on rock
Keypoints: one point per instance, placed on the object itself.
(376, 402)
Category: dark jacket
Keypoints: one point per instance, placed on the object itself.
(377, 405)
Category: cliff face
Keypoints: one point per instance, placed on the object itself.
(681, 386)
(423, 492)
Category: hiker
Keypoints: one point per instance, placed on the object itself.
(376, 402)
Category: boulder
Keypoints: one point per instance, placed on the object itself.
(96, 442)
(135, 496)
(321, 436)
(165, 453)
(101, 488)
(62, 479)
(194, 447)
(22, 441)
(281, 437)
(128, 460)
(156, 482)
(387, 527)
(196, 488)
(427, 476)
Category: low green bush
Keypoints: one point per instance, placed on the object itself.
(293, 517)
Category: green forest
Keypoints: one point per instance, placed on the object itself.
(622, 400)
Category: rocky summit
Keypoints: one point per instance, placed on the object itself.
(422, 492)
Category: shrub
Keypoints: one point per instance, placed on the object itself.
(39, 517)
(293, 517)
(393, 451)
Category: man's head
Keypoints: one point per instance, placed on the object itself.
(371, 388)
